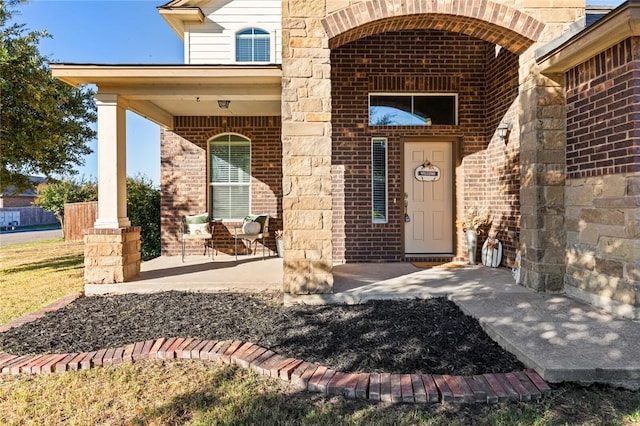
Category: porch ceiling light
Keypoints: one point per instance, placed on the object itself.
(224, 104)
(503, 130)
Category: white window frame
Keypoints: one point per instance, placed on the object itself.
(385, 143)
(212, 184)
(272, 43)
(413, 94)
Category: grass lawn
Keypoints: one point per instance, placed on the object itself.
(156, 392)
(35, 274)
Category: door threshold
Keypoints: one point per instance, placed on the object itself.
(440, 257)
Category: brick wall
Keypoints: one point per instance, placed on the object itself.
(602, 192)
(367, 17)
(184, 173)
(416, 61)
(16, 201)
(502, 158)
(603, 115)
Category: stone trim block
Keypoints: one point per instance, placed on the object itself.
(111, 255)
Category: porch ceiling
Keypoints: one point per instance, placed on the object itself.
(161, 92)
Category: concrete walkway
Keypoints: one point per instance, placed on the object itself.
(560, 338)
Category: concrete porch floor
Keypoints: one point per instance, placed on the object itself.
(353, 283)
(200, 273)
(360, 282)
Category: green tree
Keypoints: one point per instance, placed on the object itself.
(380, 120)
(45, 124)
(143, 209)
(52, 196)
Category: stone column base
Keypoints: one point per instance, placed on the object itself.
(111, 255)
(307, 277)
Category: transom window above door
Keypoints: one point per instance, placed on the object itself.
(253, 45)
(411, 109)
(230, 176)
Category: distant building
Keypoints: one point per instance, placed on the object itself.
(17, 209)
(9, 197)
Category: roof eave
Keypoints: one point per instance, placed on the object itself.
(162, 92)
(618, 25)
(77, 74)
(177, 16)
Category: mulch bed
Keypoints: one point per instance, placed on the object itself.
(414, 336)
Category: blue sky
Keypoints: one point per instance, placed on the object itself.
(112, 32)
(109, 32)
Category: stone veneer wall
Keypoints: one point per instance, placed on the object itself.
(542, 128)
(184, 174)
(542, 174)
(603, 186)
(111, 255)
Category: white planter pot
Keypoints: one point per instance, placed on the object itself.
(280, 247)
(472, 245)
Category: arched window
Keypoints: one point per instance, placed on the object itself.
(253, 45)
(230, 176)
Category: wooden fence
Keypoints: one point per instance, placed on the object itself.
(25, 216)
(77, 218)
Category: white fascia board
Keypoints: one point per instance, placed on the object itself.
(77, 74)
(176, 17)
(618, 25)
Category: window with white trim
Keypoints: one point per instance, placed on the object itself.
(379, 180)
(230, 176)
(253, 45)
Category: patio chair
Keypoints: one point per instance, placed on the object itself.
(196, 227)
(254, 228)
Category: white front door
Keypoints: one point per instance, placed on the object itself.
(429, 204)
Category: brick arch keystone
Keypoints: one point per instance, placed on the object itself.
(484, 19)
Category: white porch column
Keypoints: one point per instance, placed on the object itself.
(112, 171)
(112, 246)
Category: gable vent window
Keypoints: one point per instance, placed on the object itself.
(379, 180)
(253, 45)
(230, 176)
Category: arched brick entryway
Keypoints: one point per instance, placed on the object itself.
(490, 21)
(311, 30)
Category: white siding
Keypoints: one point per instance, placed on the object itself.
(213, 42)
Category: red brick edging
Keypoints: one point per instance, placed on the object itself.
(58, 304)
(524, 385)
